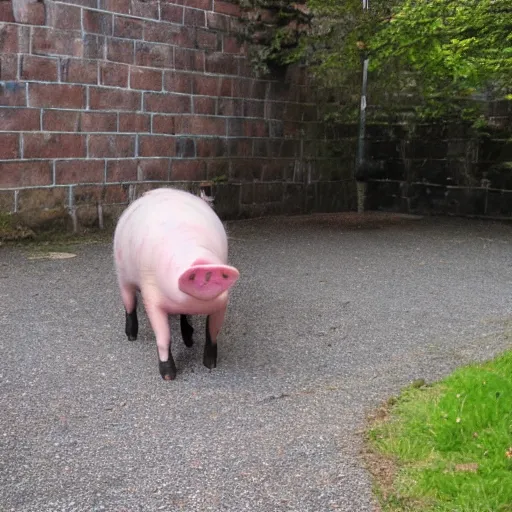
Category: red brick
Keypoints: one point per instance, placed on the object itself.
(245, 88)
(239, 147)
(114, 74)
(217, 21)
(204, 105)
(205, 5)
(19, 119)
(122, 170)
(8, 38)
(229, 107)
(253, 108)
(8, 67)
(163, 124)
(111, 146)
(226, 86)
(247, 128)
(231, 45)
(154, 55)
(122, 6)
(171, 103)
(25, 174)
(174, 81)
(154, 169)
(189, 60)
(13, 94)
(38, 68)
(120, 50)
(145, 9)
(148, 79)
(128, 27)
(134, 123)
(56, 95)
(211, 147)
(206, 40)
(221, 63)
(98, 122)
(227, 8)
(61, 120)
(194, 18)
(84, 3)
(171, 12)
(201, 125)
(31, 14)
(104, 194)
(79, 71)
(94, 46)
(114, 99)
(177, 35)
(188, 170)
(185, 147)
(53, 145)
(97, 22)
(156, 145)
(79, 171)
(66, 17)
(205, 85)
(6, 13)
(50, 41)
(9, 145)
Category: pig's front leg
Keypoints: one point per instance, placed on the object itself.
(213, 326)
(186, 331)
(159, 321)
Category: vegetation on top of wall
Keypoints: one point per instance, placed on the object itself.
(428, 59)
(275, 29)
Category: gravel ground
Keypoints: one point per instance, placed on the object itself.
(332, 314)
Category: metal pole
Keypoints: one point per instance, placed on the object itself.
(361, 192)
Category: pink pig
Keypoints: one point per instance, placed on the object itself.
(172, 247)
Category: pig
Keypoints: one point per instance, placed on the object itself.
(171, 247)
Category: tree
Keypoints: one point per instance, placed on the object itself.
(433, 57)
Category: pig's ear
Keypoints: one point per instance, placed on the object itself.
(206, 282)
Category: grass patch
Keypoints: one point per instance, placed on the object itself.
(447, 447)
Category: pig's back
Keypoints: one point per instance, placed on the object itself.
(165, 215)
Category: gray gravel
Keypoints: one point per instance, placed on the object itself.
(327, 320)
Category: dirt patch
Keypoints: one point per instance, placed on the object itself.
(342, 220)
(383, 469)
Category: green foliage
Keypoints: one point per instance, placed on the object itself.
(428, 58)
(452, 442)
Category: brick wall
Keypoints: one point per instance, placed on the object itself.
(443, 169)
(102, 99)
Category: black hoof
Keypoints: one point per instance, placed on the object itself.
(210, 356)
(186, 331)
(132, 325)
(210, 349)
(167, 369)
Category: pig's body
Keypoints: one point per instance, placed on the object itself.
(171, 246)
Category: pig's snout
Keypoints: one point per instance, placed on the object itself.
(206, 282)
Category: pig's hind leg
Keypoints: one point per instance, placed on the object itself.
(130, 304)
(186, 331)
(213, 326)
(159, 321)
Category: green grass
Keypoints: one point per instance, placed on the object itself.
(450, 444)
